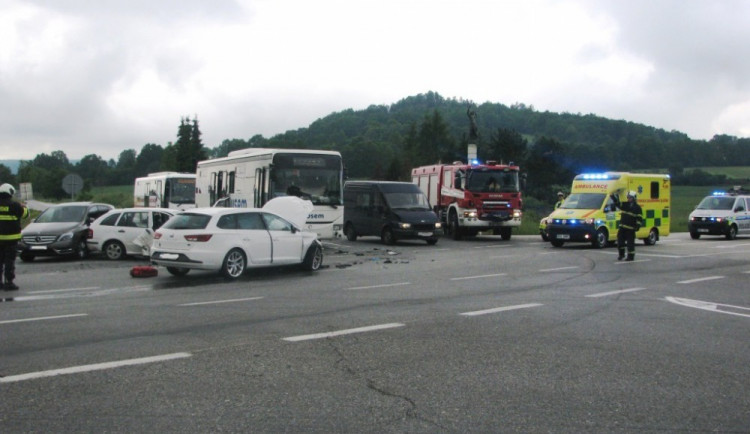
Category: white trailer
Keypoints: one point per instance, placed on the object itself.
(173, 190)
(249, 178)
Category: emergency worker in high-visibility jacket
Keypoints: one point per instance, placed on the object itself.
(11, 214)
(560, 199)
(631, 219)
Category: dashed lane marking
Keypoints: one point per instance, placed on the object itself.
(500, 309)
(700, 279)
(52, 291)
(621, 291)
(385, 285)
(94, 367)
(342, 332)
(201, 303)
(479, 277)
(558, 269)
(42, 318)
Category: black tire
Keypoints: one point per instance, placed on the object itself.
(455, 229)
(27, 257)
(732, 234)
(351, 234)
(81, 250)
(387, 237)
(313, 258)
(432, 241)
(652, 237)
(544, 236)
(113, 250)
(695, 235)
(557, 243)
(505, 233)
(234, 264)
(178, 271)
(600, 238)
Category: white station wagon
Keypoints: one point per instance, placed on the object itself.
(229, 240)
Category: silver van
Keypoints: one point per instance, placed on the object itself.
(721, 214)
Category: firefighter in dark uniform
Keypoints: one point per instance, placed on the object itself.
(631, 220)
(11, 214)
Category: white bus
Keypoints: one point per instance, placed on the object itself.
(248, 178)
(165, 190)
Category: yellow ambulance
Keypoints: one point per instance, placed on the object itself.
(588, 213)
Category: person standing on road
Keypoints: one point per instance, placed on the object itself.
(631, 219)
(11, 214)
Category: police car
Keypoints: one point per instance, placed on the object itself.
(721, 213)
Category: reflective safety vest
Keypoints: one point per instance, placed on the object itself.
(11, 214)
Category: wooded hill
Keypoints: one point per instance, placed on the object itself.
(384, 142)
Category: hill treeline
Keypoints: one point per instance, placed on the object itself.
(386, 141)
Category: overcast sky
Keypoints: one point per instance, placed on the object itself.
(101, 76)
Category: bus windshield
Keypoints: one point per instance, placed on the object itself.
(492, 181)
(182, 190)
(313, 177)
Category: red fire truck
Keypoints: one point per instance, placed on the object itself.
(469, 198)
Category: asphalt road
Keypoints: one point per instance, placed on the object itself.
(481, 335)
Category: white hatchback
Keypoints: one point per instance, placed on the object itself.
(126, 231)
(229, 240)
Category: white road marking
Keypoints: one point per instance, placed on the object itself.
(730, 246)
(557, 269)
(43, 318)
(500, 309)
(201, 303)
(710, 306)
(478, 277)
(701, 279)
(50, 291)
(621, 291)
(94, 367)
(342, 332)
(385, 285)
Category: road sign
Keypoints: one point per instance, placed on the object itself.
(72, 184)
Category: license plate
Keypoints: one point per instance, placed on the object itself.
(702, 230)
(38, 247)
(169, 256)
(424, 234)
(563, 237)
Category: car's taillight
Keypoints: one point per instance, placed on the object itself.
(157, 235)
(90, 233)
(198, 238)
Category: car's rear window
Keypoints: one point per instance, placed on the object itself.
(188, 221)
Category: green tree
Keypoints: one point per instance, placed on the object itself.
(93, 169)
(508, 146)
(6, 175)
(148, 160)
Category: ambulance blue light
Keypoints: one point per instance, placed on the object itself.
(474, 162)
(595, 176)
(718, 193)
